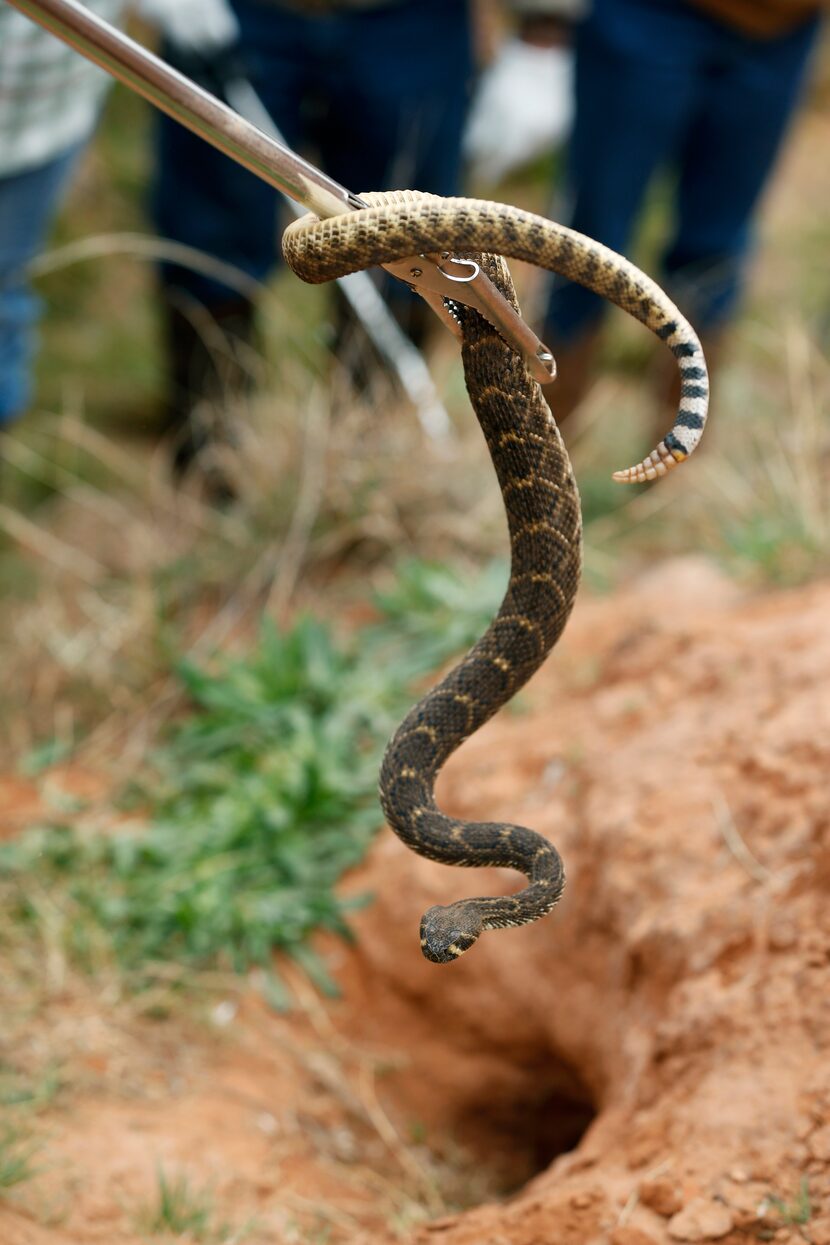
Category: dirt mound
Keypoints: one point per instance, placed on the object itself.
(650, 1064)
(673, 1016)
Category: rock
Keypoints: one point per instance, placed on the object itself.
(693, 577)
(581, 1201)
(818, 1144)
(820, 1230)
(782, 936)
(701, 1220)
(662, 1196)
(630, 1236)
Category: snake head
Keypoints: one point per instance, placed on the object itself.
(446, 933)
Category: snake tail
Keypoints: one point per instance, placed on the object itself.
(406, 222)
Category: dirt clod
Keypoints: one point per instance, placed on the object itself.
(630, 1236)
(820, 1231)
(701, 1220)
(819, 1144)
(662, 1196)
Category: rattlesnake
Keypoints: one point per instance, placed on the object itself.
(543, 514)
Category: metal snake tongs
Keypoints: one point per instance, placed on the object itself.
(441, 279)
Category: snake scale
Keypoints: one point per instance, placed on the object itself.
(543, 515)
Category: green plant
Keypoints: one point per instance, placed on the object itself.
(181, 1210)
(433, 612)
(259, 802)
(30, 1092)
(799, 1210)
(16, 1152)
(263, 796)
(764, 499)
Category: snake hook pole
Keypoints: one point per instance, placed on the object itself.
(270, 160)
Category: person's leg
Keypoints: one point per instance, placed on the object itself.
(636, 65)
(28, 204)
(396, 82)
(746, 97)
(746, 100)
(204, 200)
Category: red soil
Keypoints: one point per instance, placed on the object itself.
(655, 1056)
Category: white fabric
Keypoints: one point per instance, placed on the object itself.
(193, 25)
(523, 107)
(50, 95)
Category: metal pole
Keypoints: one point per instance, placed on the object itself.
(231, 134)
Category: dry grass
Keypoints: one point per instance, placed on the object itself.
(764, 503)
(117, 570)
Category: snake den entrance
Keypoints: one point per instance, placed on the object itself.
(506, 1104)
(522, 1132)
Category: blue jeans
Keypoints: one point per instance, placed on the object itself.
(28, 203)
(377, 97)
(662, 84)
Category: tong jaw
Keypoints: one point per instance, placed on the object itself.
(444, 280)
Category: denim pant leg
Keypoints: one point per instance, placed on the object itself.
(397, 83)
(664, 83)
(204, 199)
(637, 62)
(730, 150)
(375, 95)
(397, 94)
(28, 203)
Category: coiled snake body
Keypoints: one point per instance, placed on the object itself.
(543, 515)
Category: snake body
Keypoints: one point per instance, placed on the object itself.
(543, 515)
